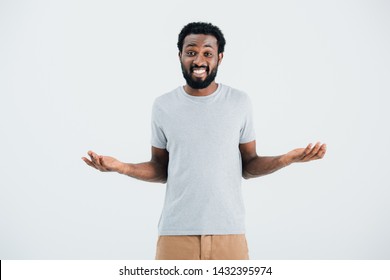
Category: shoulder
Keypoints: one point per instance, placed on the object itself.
(236, 96)
(166, 99)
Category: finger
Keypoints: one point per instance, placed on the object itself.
(322, 151)
(94, 158)
(319, 153)
(101, 162)
(87, 161)
(313, 153)
(306, 151)
(92, 154)
(97, 161)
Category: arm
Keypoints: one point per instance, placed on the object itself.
(155, 170)
(254, 166)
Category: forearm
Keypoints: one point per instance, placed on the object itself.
(259, 166)
(255, 166)
(150, 171)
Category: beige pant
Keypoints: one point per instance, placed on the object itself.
(202, 247)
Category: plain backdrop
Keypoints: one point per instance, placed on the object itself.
(82, 75)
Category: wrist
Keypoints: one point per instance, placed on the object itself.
(286, 160)
(122, 168)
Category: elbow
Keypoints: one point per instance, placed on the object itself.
(157, 180)
(246, 175)
(163, 181)
(248, 171)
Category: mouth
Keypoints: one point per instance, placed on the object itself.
(199, 72)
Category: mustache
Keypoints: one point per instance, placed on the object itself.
(199, 67)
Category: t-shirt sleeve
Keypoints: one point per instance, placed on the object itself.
(247, 132)
(158, 136)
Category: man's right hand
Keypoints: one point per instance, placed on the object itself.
(103, 163)
(155, 170)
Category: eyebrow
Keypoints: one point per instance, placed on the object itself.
(194, 45)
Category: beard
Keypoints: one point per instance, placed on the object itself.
(198, 83)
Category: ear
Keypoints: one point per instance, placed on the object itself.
(179, 54)
(220, 56)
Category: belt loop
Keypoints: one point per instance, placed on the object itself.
(205, 247)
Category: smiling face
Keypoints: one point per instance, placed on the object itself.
(199, 60)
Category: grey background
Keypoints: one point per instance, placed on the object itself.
(80, 75)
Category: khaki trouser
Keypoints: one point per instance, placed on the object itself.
(202, 247)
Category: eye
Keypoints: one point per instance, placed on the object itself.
(190, 53)
(207, 54)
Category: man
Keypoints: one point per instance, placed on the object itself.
(203, 143)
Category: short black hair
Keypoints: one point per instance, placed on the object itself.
(202, 28)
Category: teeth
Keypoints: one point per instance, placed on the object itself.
(199, 71)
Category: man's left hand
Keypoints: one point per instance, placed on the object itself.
(306, 154)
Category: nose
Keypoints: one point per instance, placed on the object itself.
(199, 60)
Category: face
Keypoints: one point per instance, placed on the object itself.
(199, 60)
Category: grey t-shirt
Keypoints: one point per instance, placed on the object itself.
(202, 135)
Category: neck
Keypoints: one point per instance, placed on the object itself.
(201, 92)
